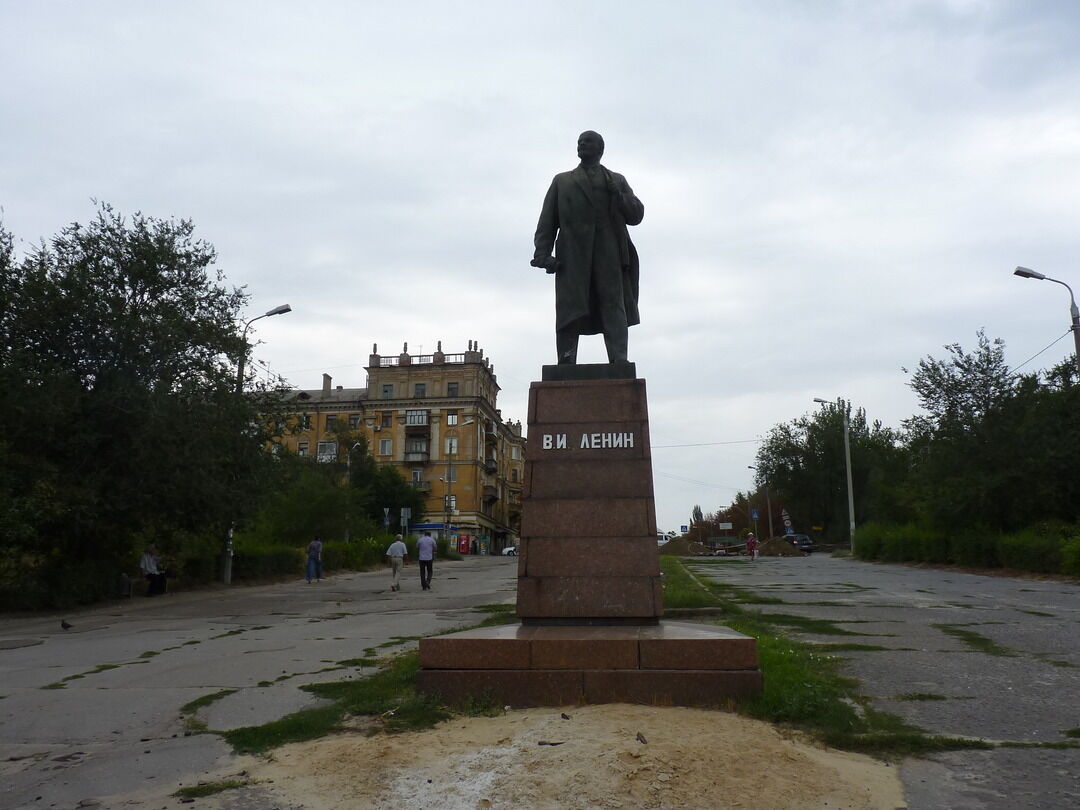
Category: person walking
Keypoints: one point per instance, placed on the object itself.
(751, 546)
(397, 554)
(425, 553)
(314, 560)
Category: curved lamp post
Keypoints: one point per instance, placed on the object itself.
(226, 565)
(847, 464)
(281, 310)
(1025, 272)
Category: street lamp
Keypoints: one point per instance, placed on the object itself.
(768, 503)
(226, 565)
(1025, 272)
(847, 464)
(281, 310)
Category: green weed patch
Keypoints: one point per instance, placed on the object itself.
(208, 788)
(201, 702)
(976, 641)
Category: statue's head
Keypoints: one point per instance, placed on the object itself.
(590, 146)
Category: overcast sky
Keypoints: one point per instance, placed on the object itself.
(832, 190)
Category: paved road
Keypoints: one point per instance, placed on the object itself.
(115, 735)
(1027, 690)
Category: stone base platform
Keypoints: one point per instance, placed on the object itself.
(670, 663)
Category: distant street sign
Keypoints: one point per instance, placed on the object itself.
(406, 513)
(726, 527)
(753, 514)
(386, 511)
(684, 529)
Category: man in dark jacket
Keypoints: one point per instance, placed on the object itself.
(584, 222)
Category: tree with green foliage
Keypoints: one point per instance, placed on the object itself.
(123, 424)
(803, 463)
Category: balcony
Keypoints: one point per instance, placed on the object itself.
(491, 466)
(417, 456)
(491, 493)
(417, 422)
(422, 486)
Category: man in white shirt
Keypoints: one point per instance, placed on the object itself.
(397, 554)
(148, 564)
(425, 553)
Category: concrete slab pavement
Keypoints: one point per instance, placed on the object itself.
(109, 726)
(1016, 679)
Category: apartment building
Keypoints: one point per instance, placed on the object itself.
(434, 418)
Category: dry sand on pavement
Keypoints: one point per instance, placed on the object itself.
(594, 758)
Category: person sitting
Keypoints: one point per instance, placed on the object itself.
(155, 578)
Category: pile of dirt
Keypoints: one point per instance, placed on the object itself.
(577, 758)
(778, 547)
(681, 547)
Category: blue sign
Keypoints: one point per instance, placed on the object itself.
(685, 529)
(753, 514)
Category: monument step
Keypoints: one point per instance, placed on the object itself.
(664, 646)
(521, 689)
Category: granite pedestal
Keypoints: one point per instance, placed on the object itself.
(589, 595)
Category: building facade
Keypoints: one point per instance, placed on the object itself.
(433, 418)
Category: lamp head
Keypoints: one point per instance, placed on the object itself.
(1025, 272)
(822, 401)
(279, 310)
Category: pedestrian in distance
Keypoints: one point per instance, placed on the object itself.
(397, 554)
(149, 565)
(751, 546)
(314, 560)
(425, 553)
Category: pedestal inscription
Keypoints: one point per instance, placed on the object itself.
(588, 527)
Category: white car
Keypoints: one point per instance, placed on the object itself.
(510, 551)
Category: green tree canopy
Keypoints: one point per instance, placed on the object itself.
(123, 425)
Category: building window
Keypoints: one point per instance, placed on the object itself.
(301, 448)
(326, 451)
(416, 417)
(331, 422)
(451, 417)
(515, 453)
(354, 421)
(420, 390)
(387, 418)
(305, 421)
(513, 475)
(450, 502)
(451, 474)
(388, 391)
(418, 475)
(452, 389)
(416, 445)
(386, 447)
(451, 445)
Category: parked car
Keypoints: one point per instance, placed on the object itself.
(510, 551)
(802, 541)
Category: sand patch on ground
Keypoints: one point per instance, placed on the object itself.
(691, 759)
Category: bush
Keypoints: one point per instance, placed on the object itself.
(1070, 556)
(1031, 550)
(977, 548)
(256, 562)
(906, 542)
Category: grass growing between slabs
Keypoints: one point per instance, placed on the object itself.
(386, 701)
(804, 687)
